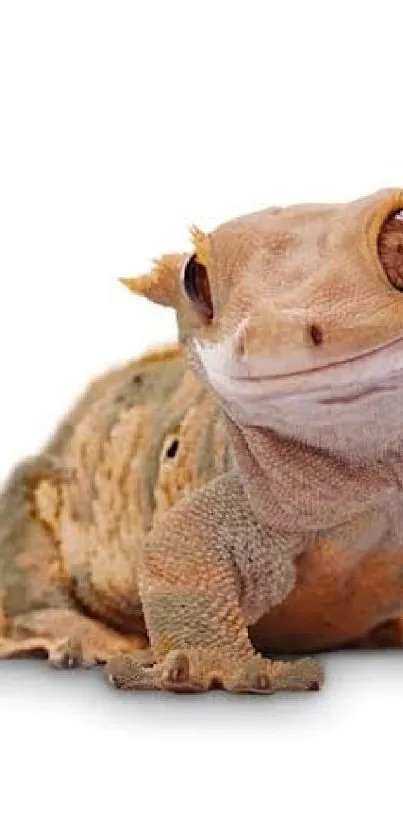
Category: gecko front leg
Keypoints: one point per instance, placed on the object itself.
(204, 573)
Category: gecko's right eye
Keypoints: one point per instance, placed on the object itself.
(390, 249)
(197, 287)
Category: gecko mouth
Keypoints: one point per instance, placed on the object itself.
(365, 391)
(375, 371)
(350, 360)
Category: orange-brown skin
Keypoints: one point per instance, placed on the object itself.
(72, 519)
(196, 513)
(333, 606)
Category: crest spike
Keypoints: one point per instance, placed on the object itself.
(200, 243)
(161, 283)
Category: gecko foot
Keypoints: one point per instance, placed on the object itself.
(197, 671)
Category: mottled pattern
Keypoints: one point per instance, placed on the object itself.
(72, 521)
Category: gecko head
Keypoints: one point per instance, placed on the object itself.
(295, 317)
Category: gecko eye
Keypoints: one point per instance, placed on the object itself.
(197, 287)
(390, 249)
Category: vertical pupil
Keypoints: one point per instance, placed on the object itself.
(190, 278)
(390, 249)
(197, 286)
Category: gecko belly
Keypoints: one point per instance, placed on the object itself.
(334, 603)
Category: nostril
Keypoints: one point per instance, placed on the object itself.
(240, 345)
(316, 334)
(390, 249)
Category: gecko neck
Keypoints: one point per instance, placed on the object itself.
(295, 487)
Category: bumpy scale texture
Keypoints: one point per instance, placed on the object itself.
(188, 515)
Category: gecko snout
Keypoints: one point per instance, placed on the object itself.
(253, 336)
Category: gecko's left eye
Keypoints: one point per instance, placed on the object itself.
(197, 287)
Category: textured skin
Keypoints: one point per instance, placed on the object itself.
(72, 519)
(155, 517)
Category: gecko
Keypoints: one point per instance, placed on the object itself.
(214, 513)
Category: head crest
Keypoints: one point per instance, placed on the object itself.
(200, 242)
(161, 283)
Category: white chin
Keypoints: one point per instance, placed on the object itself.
(363, 423)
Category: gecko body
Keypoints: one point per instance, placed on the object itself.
(241, 493)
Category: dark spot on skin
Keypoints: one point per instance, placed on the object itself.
(119, 399)
(316, 334)
(137, 379)
(172, 449)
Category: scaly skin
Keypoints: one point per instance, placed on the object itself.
(72, 519)
(250, 503)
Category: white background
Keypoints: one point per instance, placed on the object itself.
(120, 124)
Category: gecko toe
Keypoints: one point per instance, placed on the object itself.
(132, 672)
(67, 654)
(263, 676)
(177, 668)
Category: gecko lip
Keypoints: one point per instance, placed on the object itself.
(377, 369)
(295, 374)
